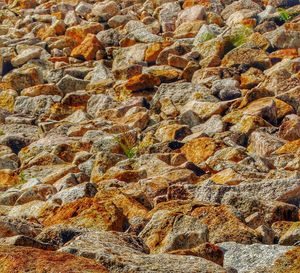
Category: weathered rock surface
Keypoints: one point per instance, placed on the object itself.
(141, 135)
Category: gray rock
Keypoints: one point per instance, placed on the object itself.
(181, 232)
(35, 106)
(285, 190)
(121, 252)
(226, 89)
(75, 193)
(14, 226)
(70, 84)
(98, 103)
(58, 235)
(21, 240)
(244, 258)
(282, 38)
(26, 55)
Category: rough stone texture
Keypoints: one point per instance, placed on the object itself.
(121, 252)
(174, 123)
(22, 259)
(245, 258)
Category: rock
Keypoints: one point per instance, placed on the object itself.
(127, 252)
(256, 255)
(88, 213)
(289, 129)
(287, 261)
(88, 48)
(283, 38)
(263, 144)
(177, 229)
(251, 57)
(79, 32)
(57, 235)
(227, 89)
(21, 240)
(139, 134)
(26, 55)
(35, 106)
(193, 13)
(14, 226)
(35, 259)
(199, 149)
(106, 10)
(70, 84)
(43, 89)
(76, 192)
(291, 236)
(23, 78)
(282, 190)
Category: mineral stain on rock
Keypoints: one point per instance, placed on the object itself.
(143, 136)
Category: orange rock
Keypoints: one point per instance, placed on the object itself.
(153, 51)
(78, 33)
(8, 178)
(141, 82)
(292, 147)
(88, 213)
(64, 59)
(228, 177)
(198, 150)
(190, 3)
(288, 53)
(41, 89)
(88, 48)
(288, 262)
(27, 259)
(251, 78)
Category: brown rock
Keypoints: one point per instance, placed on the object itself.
(207, 251)
(289, 262)
(198, 150)
(252, 57)
(24, 259)
(41, 89)
(88, 213)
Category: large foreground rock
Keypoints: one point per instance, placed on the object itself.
(26, 259)
(127, 253)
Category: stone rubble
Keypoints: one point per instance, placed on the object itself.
(150, 136)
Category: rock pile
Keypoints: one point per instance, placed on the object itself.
(150, 136)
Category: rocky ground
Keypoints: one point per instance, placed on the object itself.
(149, 136)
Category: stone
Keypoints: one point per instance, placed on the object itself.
(25, 56)
(291, 236)
(287, 261)
(70, 84)
(193, 13)
(251, 57)
(23, 78)
(227, 89)
(88, 48)
(29, 258)
(14, 226)
(284, 190)
(76, 192)
(88, 213)
(105, 10)
(127, 252)
(180, 232)
(256, 255)
(199, 149)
